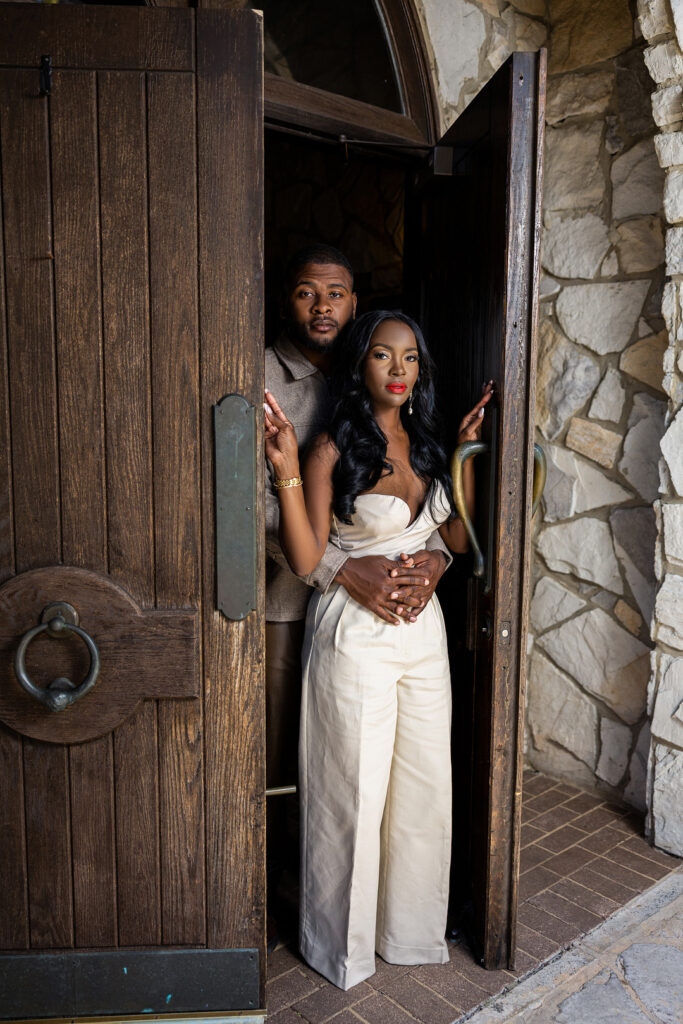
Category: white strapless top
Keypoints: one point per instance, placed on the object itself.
(381, 524)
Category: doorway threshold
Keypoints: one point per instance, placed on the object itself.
(582, 860)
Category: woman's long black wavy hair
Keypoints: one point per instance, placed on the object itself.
(354, 430)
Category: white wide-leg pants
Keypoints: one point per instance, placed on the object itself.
(375, 777)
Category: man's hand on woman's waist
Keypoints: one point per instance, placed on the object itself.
(389, 588)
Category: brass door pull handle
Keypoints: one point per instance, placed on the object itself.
(61, 693)
(540, 474)
(460, 456)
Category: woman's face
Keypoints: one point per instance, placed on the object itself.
(391, 365)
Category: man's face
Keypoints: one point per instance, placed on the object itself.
(319, 306)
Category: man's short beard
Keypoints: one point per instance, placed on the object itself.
(298, 332)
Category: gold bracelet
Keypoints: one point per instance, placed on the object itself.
(294, 481)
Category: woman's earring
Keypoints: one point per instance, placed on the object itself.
(410, 404)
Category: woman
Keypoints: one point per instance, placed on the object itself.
(374, 759)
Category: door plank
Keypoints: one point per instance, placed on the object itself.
(30, 300)
(48, 844)
(73, 132)
(175, 388)
(125, 301)
(92, 835)
(6, 498)
(98, 38)
(229, 107)
(14, 891)
(137, 826)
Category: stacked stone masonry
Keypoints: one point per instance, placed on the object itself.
(605, 689)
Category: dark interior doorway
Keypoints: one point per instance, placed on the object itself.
(359, 199)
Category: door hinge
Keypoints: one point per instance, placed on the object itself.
(45, 75)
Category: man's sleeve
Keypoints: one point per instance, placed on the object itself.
(435, 543)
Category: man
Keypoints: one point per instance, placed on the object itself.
(318, 305)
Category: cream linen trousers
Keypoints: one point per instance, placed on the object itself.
(374, 768)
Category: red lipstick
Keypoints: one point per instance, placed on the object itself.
(398, 389)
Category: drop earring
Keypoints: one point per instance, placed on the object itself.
(410, 404)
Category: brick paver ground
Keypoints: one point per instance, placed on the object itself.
(582, 859)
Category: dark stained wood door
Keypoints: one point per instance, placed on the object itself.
(131, 304)
(472, 248)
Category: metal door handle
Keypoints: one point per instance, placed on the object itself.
(540, 474)
(460, 456)
(61, 692)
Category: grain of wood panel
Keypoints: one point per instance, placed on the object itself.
(97, 38)
(175, 410)
(125, 300)
(13, 891)
(48, 845)
(92, 840)
(6, 500)
(229, 107)
(75, 203)
(29, 288)
(137, 829)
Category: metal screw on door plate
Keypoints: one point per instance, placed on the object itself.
(57, 620)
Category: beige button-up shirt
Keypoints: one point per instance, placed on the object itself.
(302, 391)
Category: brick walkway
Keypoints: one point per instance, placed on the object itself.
(582, 859)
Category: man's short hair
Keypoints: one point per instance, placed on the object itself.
(319, 253)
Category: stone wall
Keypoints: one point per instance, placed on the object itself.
(662, 26)
(602, 393)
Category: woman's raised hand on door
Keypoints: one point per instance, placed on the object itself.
(280, 438)
(470, 427)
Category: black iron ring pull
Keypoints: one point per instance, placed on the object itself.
(460, 456)
(61, 693)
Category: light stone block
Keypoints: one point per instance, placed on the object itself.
(586, 33)
(655, 18)
(672, 449)
(667, 105)
(615, 746)
(499, 48)
(669, 149)
(673, 196)
(601, 316)
(640, 245)
(575, 246)
(644, 329)
(639, 462)
(669, 612)
(457, 33)
(604, 658)
(677, 11)
(636, 181)
(650, 975)
(610, 265)
(664, 61)
(667, 806)
(566, 378)
(552, 603)
(559, 713)
(667, 719)
(644, 360)
(548, 287)
(525, 33)
(573, 175)
(571, 95)
(672, 517)
(582, 547)
(674, 251)
(573, 486)
(595, 442)
(635, 533)
(628, 617)
(608, 402)
(636, 790)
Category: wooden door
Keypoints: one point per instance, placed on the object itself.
(472, 247)
(132, 823)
